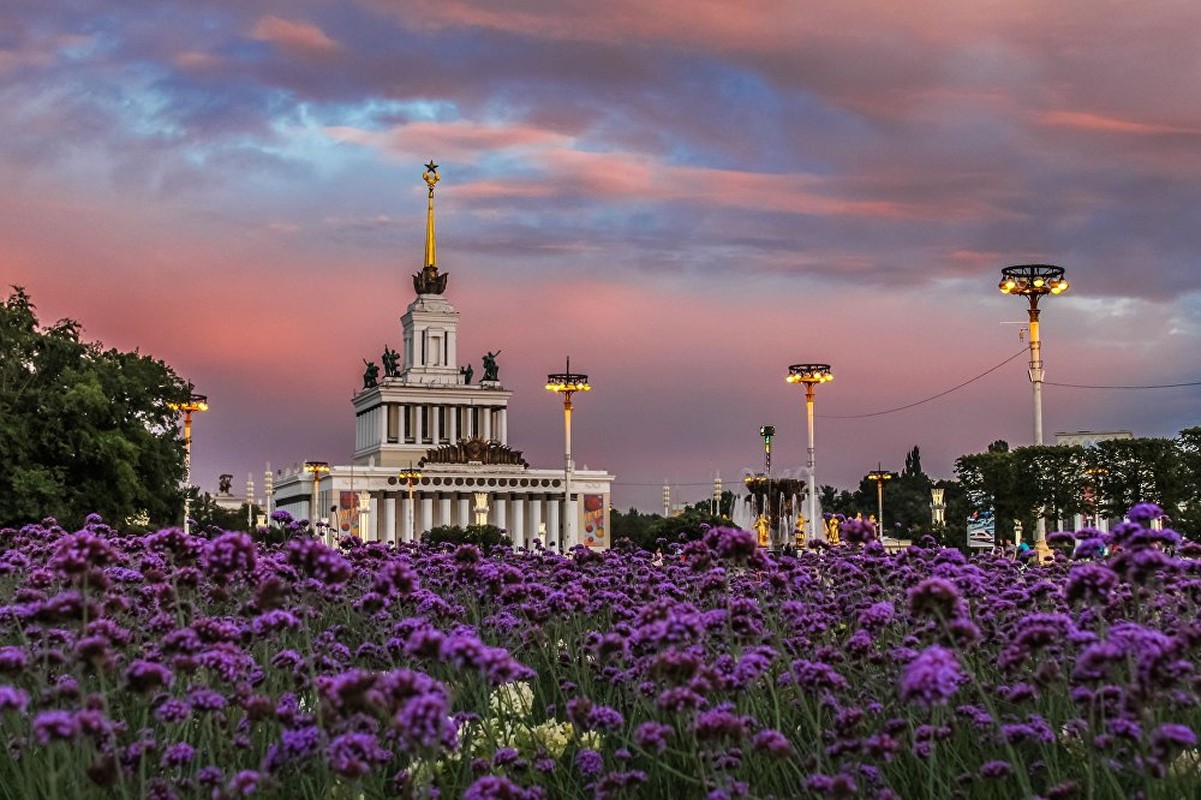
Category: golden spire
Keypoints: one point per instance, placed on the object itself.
(428, 281)
(431, 177)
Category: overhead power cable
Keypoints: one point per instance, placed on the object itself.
(1098, 386)
(944, 393)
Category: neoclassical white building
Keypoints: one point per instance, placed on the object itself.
(427, 417)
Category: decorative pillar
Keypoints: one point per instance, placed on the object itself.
(502, 425)
(552, 521)
(436, 420)
(444, 511)
(500, 510)
(464, 510)
(535, 503)
(487, 415)
(453, 433)
(517, 532)
(372, 532)
(409, 519)
(427, 514)
(389, 518)
(419, 423)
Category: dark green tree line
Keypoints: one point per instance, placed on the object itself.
(1061, 481)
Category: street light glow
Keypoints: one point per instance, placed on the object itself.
(1033, 280)
(809, 373)
(195, 402)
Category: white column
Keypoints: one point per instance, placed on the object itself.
(407, 508)
(418, 424)
(444, 512)
(500, 511)
(464, 511)
(427, 515)
(453, 413)
(487, 415)
(571, 509)
(381, 422)
(553, 534)
(535, 504)
(389, 519)
(517, 530)
(436, 420)
(372, 533)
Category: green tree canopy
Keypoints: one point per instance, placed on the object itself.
(83, 429)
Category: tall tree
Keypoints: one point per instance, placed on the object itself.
(1056, 479)
(991, 482)
(83, 429)
(1144, 469)
(1188, 445)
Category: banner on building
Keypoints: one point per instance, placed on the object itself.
(594, 520)
(348, 513)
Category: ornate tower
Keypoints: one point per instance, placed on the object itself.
(431, 322)
(430, 404)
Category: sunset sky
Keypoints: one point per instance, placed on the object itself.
(685, 197)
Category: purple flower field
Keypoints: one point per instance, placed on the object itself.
(169, 665)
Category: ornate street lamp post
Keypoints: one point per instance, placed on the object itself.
(767, 432)
(567, 383)
(1032, 281)
(249, 503)
(195, 402)
(316, 469)
(810, 375)
(879, 476)
(410, 476)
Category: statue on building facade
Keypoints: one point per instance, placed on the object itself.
(224, 484)
(391, 360)
(491, 371)
(467, 372)
(370, 375)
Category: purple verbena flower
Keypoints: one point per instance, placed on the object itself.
(932, 677)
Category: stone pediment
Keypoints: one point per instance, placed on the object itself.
(474, 451)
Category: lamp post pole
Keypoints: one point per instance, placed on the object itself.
(767, 432)
(410, 476)
(567, 383)
(316, 469)
(879, 475)
(810, 375)
(1032, 281)
(195, 402)
(249, 503)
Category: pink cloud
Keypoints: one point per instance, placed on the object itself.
(461, 141)
(563, 169)
(1096, 122)
(300, 37)
(196, 60)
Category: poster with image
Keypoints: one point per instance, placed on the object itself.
(348, 513)
(594, 521)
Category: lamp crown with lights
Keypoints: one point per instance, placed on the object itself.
(567, 381)
(809, 373)
(195, 402)
(1033, 280)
